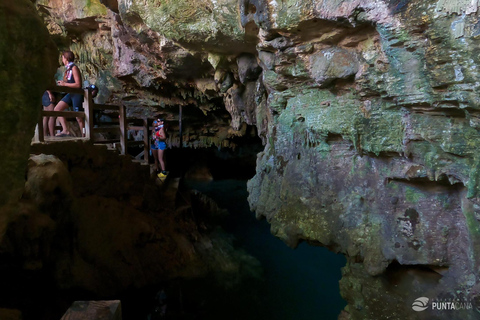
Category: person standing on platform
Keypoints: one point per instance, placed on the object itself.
(72, 78)
(48, 102)
(158, 146)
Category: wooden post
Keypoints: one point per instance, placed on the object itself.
(88, 106)
(146, 141)
(180, 126)
(123, 128)
(39, 129)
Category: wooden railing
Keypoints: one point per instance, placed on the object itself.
(90, 129)
(88, 116)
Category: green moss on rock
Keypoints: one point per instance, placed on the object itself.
(189, 21)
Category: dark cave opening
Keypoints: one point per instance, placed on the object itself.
(221, 163)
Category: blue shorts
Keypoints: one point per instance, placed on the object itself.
(159, 145)
(46, 99)
(74, 100)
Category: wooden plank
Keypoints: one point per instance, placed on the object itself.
(136, 128)
(66, 114)
(87, 105)
(139, 128)
(66, 90)
(63, 139)
(146, 139)
(36, 136)
(141, 154)
(123, 129)
(39, 129)
(94, 310)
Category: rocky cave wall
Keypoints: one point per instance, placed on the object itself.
(371, 145)
(368, 110)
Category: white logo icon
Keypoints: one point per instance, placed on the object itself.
(420, 304)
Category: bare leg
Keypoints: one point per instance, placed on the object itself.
(62, 105)
(45, 124)
(161, 160)
(81, 124)
(45, 121)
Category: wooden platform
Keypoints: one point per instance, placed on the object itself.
(60, 139)
(94, 310)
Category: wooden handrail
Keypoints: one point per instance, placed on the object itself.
(67, 90)
(89, 106)
(66, 114)
(138, 128)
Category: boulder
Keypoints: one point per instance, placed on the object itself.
(29, 59)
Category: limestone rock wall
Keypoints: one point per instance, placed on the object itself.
(371, 145)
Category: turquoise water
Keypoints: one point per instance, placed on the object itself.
(300, 284)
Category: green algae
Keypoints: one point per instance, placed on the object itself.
(190, 21)
(321, 112)
(94, 8)
(413, 195)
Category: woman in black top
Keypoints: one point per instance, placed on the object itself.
(73, 79)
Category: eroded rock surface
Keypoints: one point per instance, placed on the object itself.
(371, 145)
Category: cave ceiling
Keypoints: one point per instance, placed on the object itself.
(156, 56)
